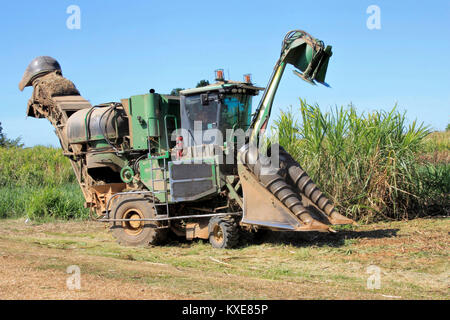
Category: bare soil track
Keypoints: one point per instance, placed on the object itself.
(413, 258)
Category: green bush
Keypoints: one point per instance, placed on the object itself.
(38, 182)
(367, 164)
(64, 202)
(13, 202)
(37, 166)
(43, 203)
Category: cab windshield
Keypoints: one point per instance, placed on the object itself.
(236, 111)
(217, 111)
(206, 113)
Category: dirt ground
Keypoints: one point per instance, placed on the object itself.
(410, 260)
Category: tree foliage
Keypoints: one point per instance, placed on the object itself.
(176, 91)
(202, 83)
(8, 143)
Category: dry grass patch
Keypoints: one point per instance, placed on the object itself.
(412, 256)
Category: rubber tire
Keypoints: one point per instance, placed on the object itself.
(149, 235)
(230, 231)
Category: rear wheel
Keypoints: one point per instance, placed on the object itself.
(223, 232)
(137, 233)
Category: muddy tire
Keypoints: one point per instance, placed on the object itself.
(136, 233)
(223, 232)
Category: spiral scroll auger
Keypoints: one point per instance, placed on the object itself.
(289, 183)
(306, 187)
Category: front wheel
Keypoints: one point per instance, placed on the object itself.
(223, 232)
(137, 233)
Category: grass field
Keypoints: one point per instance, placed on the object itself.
(413, 258)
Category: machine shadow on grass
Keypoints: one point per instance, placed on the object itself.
(297, 239)
(308, 239)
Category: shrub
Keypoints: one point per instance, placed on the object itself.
(367, 164)
(64, 202)
(37, 166)
(38, 182)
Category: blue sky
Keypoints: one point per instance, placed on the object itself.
(127, 47)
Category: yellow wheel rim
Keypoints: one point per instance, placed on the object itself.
(133, 227)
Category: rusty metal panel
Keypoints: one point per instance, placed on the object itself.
(196, 230)
(102, 193)
(72, 103)
(262, 208)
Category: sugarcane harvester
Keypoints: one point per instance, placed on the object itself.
(191, 165)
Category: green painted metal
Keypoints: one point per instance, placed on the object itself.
(233, 194)
(151, 106)
(262, 117)
(147, 175)
(142, 113)
(138, 128)
(169, 118)
(99, 143)
(127, 174)
(145, 170)
(150, 128)
(322, 69)
(107, 157)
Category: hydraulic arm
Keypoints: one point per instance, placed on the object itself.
(306, 54)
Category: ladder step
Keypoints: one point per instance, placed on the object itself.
(165, 192)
